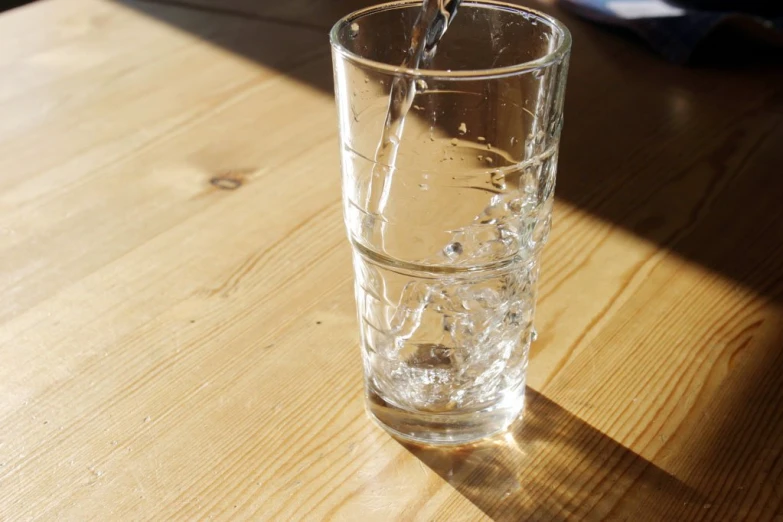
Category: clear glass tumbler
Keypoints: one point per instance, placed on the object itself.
(447, 231)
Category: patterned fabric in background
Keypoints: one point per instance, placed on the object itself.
(669, 28)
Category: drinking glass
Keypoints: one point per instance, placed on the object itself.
(447, 228)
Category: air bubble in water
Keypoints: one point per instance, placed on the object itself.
(508, 234)
(424, 186)
(421, 85)
(517, 205)
(533, 333)
(454, 141)
(453, 250)
(354, 30)
(513, 140)
(490, 161)
(462, 128)
(481, 138)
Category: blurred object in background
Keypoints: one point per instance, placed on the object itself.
(728, 32)
(8, 4)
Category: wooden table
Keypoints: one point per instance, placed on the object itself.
(177, 332)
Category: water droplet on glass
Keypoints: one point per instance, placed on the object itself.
(489, 146)
(453, 250)
(498, 180)
(533, 333)
(424, 186)
(481, 138)
(448, 324)
(454, 141)
(480, 157)
(513, 140)
(490, 161)
(462, 128)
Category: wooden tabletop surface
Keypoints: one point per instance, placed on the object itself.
(177, 327)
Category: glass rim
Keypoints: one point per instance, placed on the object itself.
(550, 58)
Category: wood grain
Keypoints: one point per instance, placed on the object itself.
(177, 334)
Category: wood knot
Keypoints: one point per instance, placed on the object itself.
(232, 178)
(227, 181)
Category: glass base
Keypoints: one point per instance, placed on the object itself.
(452, 428)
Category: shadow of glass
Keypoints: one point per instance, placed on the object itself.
(554, 466)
